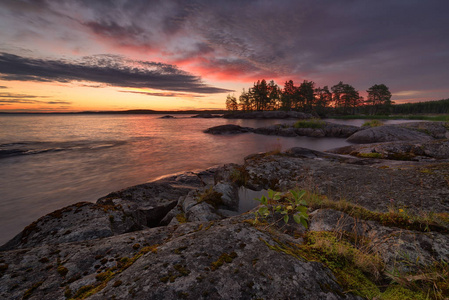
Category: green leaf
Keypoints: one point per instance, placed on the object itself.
(299, 197)
(264, 200)
(286, 219)
(297, 218)
(263, 211)
(304, 223)
(302, 209)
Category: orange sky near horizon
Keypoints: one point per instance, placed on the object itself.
(88, 96)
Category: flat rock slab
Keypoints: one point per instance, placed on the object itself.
(371, 183)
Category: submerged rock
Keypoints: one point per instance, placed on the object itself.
(228, 129)
(206, 116)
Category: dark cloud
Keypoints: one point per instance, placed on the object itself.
(3, 87)
(21, 96)
(164, 94)
(111, 70)
(362, 41)
(112, 29)
(13, 98)
(59, 102)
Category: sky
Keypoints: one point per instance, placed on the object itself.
(77, 55)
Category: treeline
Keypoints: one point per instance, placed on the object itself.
(341, 98)
(429, 107)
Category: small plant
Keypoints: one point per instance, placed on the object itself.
(372, 123)
(312, 123)
(289, 204)
(210, 196)
(240, 176)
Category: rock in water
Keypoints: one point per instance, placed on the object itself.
(228, 129)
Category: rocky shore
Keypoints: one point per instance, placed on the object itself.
(378, 227)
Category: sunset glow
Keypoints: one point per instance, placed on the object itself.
(167, 55)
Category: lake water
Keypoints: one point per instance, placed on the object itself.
(51, 161)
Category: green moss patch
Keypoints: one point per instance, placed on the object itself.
(394, 218)
(109, 274)
(224, 258)
(370, 155)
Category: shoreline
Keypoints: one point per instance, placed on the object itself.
(183, 233)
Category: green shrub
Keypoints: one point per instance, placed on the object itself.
(289, 204)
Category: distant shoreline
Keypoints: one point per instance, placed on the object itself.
(123, 112)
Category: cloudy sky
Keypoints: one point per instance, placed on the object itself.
(73, 55)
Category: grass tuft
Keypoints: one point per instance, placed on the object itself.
(312, 123)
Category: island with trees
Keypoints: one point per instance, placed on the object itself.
(341, 98)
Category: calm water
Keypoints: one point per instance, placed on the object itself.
(48, 162)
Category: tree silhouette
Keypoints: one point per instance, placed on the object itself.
(379, 99)
(231, 103)
(345, 97)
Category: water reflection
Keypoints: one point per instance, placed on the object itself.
(104, 153)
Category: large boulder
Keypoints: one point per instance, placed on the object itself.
(387, 133)
(227, 259)
(151, 202)
(339, 130)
